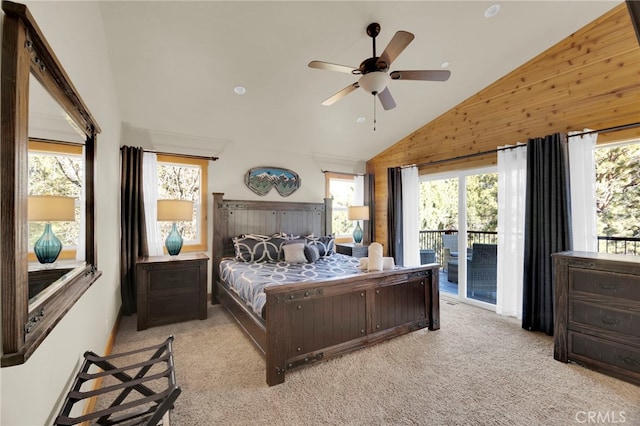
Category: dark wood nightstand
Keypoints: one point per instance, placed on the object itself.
(351, 249)
(171, 289)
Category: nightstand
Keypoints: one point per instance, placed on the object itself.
(350, 249)
(171, 289)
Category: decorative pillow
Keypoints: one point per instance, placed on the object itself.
(311, 253)
(257, 248)
(294, 253)
(326, 245)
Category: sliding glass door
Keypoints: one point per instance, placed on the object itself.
(458, 222)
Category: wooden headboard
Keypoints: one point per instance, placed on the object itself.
(236, 217)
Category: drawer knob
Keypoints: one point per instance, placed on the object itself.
(609, 321)
(608, 286)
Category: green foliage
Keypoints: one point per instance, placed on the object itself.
(342, 193)
(482, 202)
(618, 190)
(439, 203)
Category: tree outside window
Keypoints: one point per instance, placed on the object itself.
(183, 178)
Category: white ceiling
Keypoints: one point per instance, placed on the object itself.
(175, 65)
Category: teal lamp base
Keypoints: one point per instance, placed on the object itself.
(48, 246)
(357, 234)
(173, 241)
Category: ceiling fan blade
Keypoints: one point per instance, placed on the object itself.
(386, 99)
(331, 67)
(425, 75)
(395, 47)
(341, 94)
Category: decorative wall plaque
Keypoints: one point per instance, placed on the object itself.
(261, 179)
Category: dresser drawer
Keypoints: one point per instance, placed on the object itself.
(622, 360)
(604, 283)
(175, 280)
(605, 318)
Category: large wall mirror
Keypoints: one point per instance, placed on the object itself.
(47, 155)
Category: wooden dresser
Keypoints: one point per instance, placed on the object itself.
(597, 312)
(171, 289)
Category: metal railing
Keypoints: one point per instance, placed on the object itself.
(619, 245)
(432, 240)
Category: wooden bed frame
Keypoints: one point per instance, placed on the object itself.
(309, 322)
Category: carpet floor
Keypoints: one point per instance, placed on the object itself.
(478, 369)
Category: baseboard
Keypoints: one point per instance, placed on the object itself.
(90, 406)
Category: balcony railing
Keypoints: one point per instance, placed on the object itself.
(432, 240)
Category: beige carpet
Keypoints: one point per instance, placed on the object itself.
(479, 369)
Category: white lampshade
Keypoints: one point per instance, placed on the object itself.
(374, 82)
(175, 210)
(51, 208)
(358, 213)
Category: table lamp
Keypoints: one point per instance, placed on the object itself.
(174, 211)
(49, 208)
(358, 213)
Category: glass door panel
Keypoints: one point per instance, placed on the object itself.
(439, 229)
(481, 248)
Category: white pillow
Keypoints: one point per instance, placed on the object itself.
(294, 253)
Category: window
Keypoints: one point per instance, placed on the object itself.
(185, 178)
(57, 169)
(341, 188)
(618, 197)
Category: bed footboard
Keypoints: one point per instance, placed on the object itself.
(308, 323)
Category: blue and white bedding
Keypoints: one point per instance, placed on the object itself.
(249, 279)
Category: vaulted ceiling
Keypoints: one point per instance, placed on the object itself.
(176, 65)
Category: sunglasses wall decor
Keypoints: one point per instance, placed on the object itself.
(261, 179)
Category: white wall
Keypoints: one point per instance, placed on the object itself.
(32, 392)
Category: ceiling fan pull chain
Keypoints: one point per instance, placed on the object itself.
(374, 113)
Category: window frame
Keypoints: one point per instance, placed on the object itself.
(328, 176)
(203, 164)
(55, 147)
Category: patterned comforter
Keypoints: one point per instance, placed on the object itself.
(249, 279)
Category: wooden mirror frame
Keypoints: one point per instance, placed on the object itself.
(25, 51)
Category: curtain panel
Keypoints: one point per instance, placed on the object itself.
(512, 183)
(369, 200)
(394, 214)
(582, 169)
(410, 216)
(547, 226)
(133, 240)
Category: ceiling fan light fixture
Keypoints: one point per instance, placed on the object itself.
(374, 82)
(492, 10)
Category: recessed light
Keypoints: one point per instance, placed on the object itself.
(240, 90)
(360, 120)
(492, 10)
(445, 64)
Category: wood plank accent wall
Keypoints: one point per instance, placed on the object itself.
(591, 79)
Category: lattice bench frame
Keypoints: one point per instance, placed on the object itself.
(161, 402)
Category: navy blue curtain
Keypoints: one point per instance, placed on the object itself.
(369, 200)
(394, 214)
(547, 226)
(133, 239)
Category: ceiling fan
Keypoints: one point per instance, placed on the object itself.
(373, 71)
